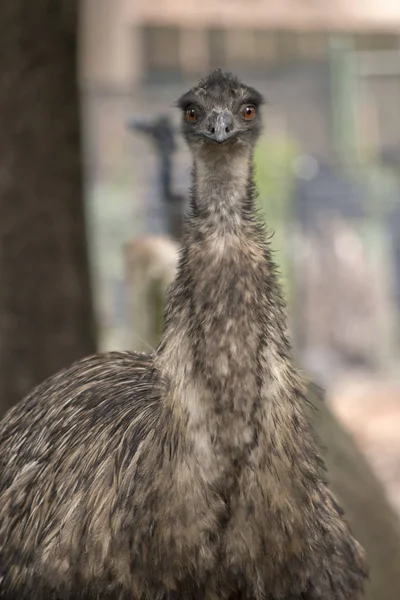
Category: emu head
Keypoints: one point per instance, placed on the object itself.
(221, 115)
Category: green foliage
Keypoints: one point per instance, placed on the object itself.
(274, 177)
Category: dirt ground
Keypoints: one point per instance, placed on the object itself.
(370, 409)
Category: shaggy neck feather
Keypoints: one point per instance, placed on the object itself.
(213, 352)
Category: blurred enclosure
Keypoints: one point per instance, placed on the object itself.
(328, 168)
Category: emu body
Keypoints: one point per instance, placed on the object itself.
(191, 473)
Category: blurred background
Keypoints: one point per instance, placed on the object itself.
(94, 181)
(328, 170)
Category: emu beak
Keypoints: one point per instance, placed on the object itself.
(220, 128)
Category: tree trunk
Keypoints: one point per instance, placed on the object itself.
(46, 317)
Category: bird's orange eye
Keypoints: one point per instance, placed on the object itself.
(191, 115)
(249, 113)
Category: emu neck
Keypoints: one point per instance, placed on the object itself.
(221, 190)
(214, 339)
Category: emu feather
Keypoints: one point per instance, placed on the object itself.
(192, 472)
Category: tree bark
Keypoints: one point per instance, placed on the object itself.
(46, 317)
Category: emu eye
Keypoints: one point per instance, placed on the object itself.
(249, 112)
(191, 115)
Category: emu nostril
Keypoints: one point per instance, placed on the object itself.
(227, 129)
(212, 130)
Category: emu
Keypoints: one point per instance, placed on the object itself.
(192, 472)
(162, 134)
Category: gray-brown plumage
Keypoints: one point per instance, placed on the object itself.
(191, 473)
